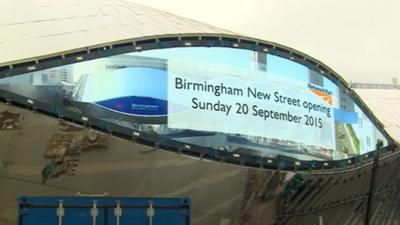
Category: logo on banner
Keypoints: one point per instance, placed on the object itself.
(323, 93)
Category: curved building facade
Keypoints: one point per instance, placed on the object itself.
(237, 110)
(226, 98)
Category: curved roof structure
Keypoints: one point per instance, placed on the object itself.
(78, 27)
(67, 26)
(385, 104)
(42, 34)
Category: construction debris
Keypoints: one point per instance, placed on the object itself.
(59, 166)
(58, 146)
(10, 121)
(90, 141)
(64, 145)
(69, 144)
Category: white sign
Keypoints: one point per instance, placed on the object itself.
(256, 104)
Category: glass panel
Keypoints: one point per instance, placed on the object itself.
(223, 98)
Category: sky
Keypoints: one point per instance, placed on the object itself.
(359, 39)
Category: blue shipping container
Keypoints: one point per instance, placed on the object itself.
(103, 211)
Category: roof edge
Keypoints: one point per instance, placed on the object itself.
(37, 63)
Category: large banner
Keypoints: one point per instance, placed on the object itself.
(250, 103)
